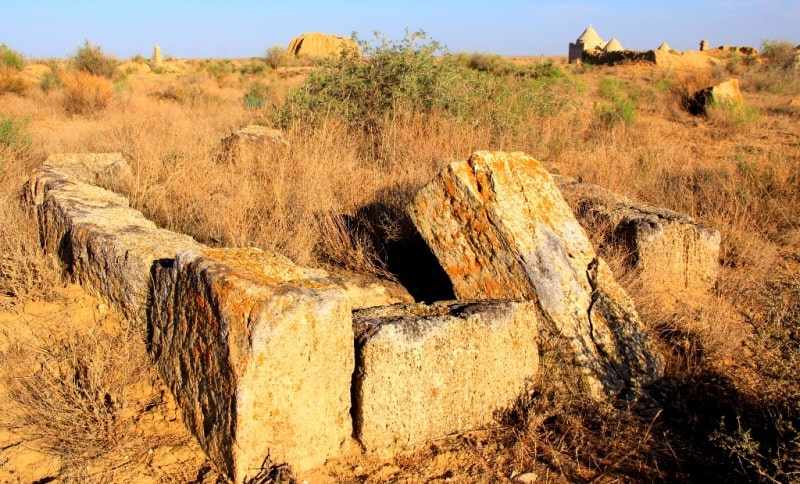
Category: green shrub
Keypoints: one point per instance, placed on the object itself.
(91, 59)
(730, 113)
(779, 54)
(391, 75)
(50, 81)
(218, 69)
(11, 58)
(414, 75)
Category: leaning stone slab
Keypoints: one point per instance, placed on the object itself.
(106, 246)
(424, 372)
(501, 230)
(670, 251)
(259, 355)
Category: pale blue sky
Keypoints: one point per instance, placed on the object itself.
(246, 28)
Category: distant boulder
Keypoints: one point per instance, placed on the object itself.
(317, 44)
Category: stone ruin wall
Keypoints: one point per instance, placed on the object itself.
(276, 359)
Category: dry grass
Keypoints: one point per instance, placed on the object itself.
(86, 93)
(727, 358)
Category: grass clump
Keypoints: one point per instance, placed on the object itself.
(617, 106)
(11, 63)
(86, 93)
(15, 141)
(11, 58)
(91, 59)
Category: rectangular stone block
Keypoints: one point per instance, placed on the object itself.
(673, 254)
(107, 247)
(259, 355)
(424, 372)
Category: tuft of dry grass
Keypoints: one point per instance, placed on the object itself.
(86, 94)
(84, 399)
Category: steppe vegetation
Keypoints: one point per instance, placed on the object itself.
(372, 131)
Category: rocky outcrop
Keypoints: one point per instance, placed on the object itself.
(106, 246)
(425, 372)
(501, 230)
(672, 253)
(725, 93)
(259, 354)
(317, 44)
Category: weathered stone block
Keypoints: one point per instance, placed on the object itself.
(671, 252)
(368, 291)
(724, 93)
(106, 246)
(424, 372)
(501, 230)
(259, 355)
(253, 138)
(106, 170)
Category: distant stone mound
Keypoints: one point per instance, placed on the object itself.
(317, 44)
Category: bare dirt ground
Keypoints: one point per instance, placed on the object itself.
(161, 450)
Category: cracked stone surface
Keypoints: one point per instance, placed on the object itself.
(501, 230)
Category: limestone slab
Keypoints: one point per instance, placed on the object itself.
(424, 372)
(501, 230)
(671, 252)
(259, 355)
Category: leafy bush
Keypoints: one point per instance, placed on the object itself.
(618, 107)
(418, 77)
(391, 76)
(779, 54)
(86, 93)
(91, 59)
(11, 58)
(275, 56)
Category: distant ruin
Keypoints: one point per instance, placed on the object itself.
(590, 48)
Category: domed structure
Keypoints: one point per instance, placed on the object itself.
(589, 37)
(613, 45)
(588, 40)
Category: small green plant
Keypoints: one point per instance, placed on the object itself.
(14, 137)
(275, 56)
(11, 58)
(731, 113)
(665, 85)
(50, 82)
(618, 105)
(257, 96)
(218, 69)
(91, 59)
